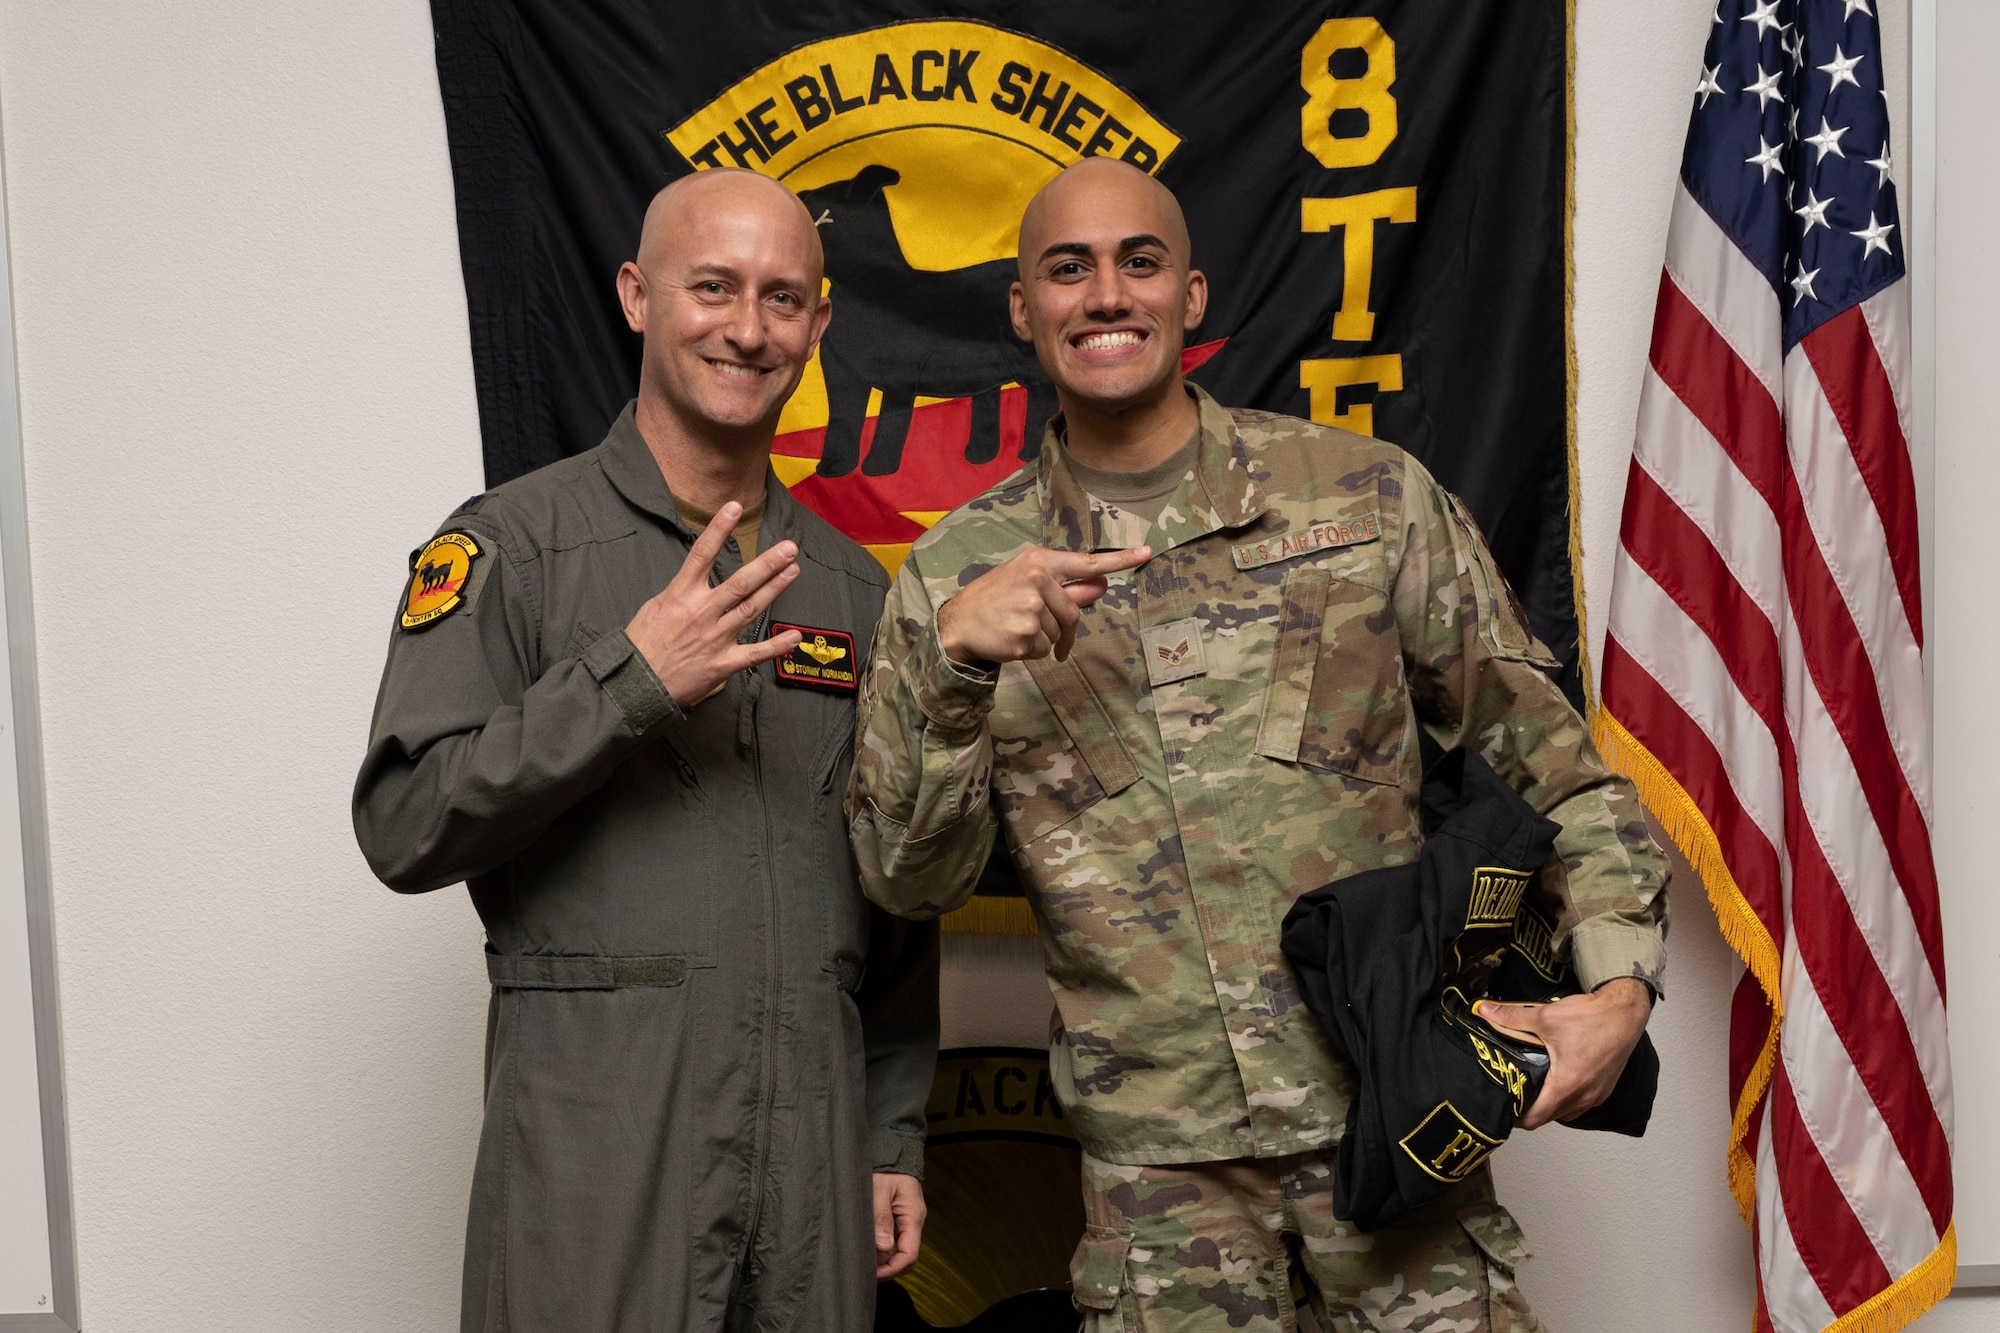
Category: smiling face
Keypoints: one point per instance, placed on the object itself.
(726, 290)
(1106, 291)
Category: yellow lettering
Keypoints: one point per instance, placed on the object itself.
(1462, 1144)
(1368, 93)
(1356, 216)
(1324, 377)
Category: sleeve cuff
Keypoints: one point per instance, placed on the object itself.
(897, 1151)
(1604, 948)
(626, 676)
(954, 696)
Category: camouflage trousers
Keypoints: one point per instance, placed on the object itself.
(1216, 1245)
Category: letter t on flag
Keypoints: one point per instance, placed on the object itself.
(1763, 671)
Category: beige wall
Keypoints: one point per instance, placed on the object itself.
(246, 394)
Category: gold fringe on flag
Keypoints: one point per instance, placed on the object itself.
(1899, 1304)
(1684, 822)
(1570, 360)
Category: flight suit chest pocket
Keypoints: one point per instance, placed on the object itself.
(1046, 775)
(1336, 701)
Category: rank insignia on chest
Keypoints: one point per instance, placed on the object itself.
(438, 575)
(1174, 651)
(824, 660)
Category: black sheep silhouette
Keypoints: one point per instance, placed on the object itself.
(433, 576)
(907, 331)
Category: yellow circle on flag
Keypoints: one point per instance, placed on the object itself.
(437, 578)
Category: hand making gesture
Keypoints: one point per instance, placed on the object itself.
(688, 632)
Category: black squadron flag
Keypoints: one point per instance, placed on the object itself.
(1376, 190)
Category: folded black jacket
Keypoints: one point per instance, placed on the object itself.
(1391, 963)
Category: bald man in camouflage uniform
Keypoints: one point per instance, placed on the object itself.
(1181, 662)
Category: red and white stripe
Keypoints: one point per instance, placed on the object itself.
(1764, 680)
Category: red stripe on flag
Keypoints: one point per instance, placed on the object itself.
(1851, 374)
(1829, 1239)
(1730, 402)
(1677, 554)
(1749, 1021)
(1869, 1023)
(1657, 722)
(1837, 661)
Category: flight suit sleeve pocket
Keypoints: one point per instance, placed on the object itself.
(1097, 1270)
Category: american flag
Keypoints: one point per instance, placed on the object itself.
(1763, 671)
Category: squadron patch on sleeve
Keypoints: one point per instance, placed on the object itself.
(824, 660)
(438, 575)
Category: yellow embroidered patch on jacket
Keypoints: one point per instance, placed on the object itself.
(1446, 1145)
(438, 574)
(823, 659)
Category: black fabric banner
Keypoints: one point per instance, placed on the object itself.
(1376, 191)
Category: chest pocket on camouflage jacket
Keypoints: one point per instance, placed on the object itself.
(1045, 776)
(1336, 701)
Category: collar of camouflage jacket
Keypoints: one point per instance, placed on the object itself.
(630, 464)
(1220, 491)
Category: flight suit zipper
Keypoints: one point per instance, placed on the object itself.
(773, 988)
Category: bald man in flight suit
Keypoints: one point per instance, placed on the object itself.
(629, 732)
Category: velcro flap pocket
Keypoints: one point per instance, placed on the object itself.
(1097, 1270)
(583, 972)
(1496, 1233)
(1503, 621)
(1294, 658)
(1083, 717)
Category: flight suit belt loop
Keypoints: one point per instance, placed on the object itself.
(583, 972)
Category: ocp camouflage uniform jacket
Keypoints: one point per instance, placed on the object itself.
(1236, 725)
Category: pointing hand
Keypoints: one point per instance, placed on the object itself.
(1029, 606)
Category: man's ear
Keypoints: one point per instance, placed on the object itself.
(1017, 311)
(632, 295)
(1197, 302)
(821, 318)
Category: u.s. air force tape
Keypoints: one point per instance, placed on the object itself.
(823, 660)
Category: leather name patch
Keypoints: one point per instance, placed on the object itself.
(824, 660)
(1313, 537)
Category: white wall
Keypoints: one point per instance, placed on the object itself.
(1965, 636)
(242, 340)
(246, 394)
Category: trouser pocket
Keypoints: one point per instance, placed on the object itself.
(1501, 1246)
(1097, 1275)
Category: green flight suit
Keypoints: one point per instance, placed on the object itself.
(701, 1040)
